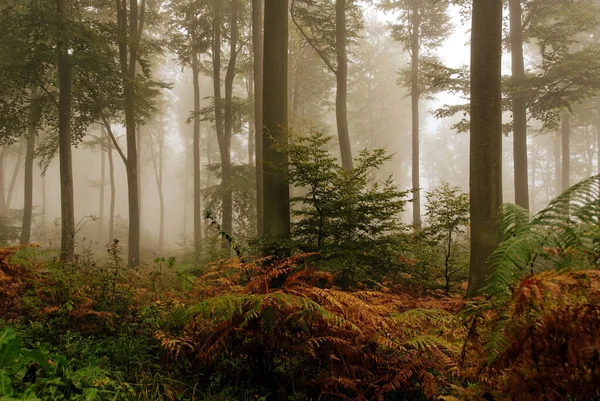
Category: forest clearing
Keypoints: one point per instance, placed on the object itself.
(299, 200)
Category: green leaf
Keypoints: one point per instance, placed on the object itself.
(5, 384)
(10, 347)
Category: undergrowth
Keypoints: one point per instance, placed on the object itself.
(280, 329)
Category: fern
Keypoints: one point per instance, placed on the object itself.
(565, 235)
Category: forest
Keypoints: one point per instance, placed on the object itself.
(299, 200)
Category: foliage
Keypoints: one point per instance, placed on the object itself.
(447, 219)
(346, 215)
(311, 337)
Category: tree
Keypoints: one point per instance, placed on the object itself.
(32, 127)
(190, 37)
(447, 218)
(67, 243)
(332, 49)
(421, 27)
(486, 137)
(257, 48)
(276, 195)
(519, 106)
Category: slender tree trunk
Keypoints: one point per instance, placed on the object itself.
(140, 156)
(251, 124)
(196, 154)
(533, 176)
(519, 106)
(415, 95)
(158, 176)
(486, 137)
(276, 194)
(219, 107)
(225, 145)
(564, 135)
(161, 227)
(67, 242)
(130, 41)
(13, 178)
(103, 142)
(111, 175)
(2, 193)
(28, 184)
(341, 108)
(557, 174)
(257, 48)
(598, 143)
(186, 178)
(44, 200)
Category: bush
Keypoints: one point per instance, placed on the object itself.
(346, 215)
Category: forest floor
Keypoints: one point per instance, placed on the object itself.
(96, 330)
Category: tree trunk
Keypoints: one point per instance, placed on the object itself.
(557, 174)
(341, 108)
(251, 124)
(140, 156)
(257, 48)
(67, 242)
(218, 103)
(13, 178)
(130, 41)
(519, 106)
(598, 143)
(276, 194)
(225, 144)
(564, 135)
(534, 157)
(186, 178)
(111, 174)
(486, 137)
(415, 95)
(158, 176)
(28, 182)
(103, 142)
(44, 200)
(2, 193)
(196, 155)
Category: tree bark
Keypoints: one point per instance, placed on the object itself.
(138, 140)
(129, 43)
(486, 137)
(158, 176)
(557, 173)
(28, 182)
(534, 157)
(564, 135)
(598, 143)
(111, 175)
(44, 200)
(225, 143)
(257, 48)
(519, 109)
(341, 108)
(415, 95)
(275, 118)
(67, 242)
(218, 103)
(13, 178)
(103, 142)
(196, 155)
(251, 124)
(2, 189)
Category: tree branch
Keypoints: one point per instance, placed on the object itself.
(319, 52)
(113, 139)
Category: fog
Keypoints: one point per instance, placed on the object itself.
(379, 116)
